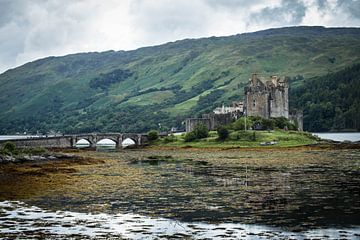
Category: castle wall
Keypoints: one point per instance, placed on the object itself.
(218, 119)
(257, 104)
(190, 123)
(297, 117)
(211, 121)
(279, 103)
(267, 99)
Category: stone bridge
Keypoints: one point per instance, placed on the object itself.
(69, 141)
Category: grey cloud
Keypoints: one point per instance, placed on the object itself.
(164, 20)
(322, 4)
(352, 6)
(33, 29)
(39, 28)
(233, 4)
(289, 13)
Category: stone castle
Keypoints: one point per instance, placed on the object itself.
(267, 98)
(264, 98)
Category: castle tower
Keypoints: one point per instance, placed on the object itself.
(267, 98)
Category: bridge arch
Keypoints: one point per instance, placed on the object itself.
(83, 143)
(106, 143)
(128, 142)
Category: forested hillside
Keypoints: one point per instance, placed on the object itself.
(137, 90)
(330, 102)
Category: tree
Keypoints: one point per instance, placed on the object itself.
(222, 132)
(201, 131)
(240, 123)
(189, 137)
(153, 135)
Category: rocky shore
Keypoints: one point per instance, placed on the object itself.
(33, 158)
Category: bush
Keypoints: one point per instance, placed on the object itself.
(281, 122)
(189, 137)
(244, 135)
(169, 139)
(200, 131)
(222, 132)
(36, 151)
(240, 124)
(268, 124)
(9, 148)
(153, 135)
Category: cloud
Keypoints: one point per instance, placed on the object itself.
(285, 14)
(40, 28)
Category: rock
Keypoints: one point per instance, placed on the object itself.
(7, 159)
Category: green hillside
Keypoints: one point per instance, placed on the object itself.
(136, 90)
(330, 102)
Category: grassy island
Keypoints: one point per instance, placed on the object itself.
(280, 132)
(240, 139)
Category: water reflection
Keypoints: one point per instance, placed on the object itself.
(18, 219)
(296, 199)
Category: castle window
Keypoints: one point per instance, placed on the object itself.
(254, 103)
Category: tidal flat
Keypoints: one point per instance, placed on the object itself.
(211, 193)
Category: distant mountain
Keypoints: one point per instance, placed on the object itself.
(137, 90)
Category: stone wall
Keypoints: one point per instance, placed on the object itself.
(297, 118)
(49, 142)
(257, 104)
(267, 98)
(279, 103)
(190, 123)
(218, 119)
(211, 121)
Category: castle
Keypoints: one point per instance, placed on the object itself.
(264, 98)
(267, 98)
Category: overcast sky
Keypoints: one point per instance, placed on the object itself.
(32, 29)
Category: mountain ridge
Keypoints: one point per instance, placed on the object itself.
(165, 83)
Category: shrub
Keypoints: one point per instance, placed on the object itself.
(268, 124)
(153, 135)
(9, 148)
(169, 139)
(189, 137)
(222, 132)
(200, 131)
(240, 124)
(37, 150)
(281, 122)
(244, 135)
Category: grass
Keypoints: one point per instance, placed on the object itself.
(154, 97)
(242, 139)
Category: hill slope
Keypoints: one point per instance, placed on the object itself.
(136, 90)
(330, 102)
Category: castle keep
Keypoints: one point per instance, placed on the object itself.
(267, 98)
